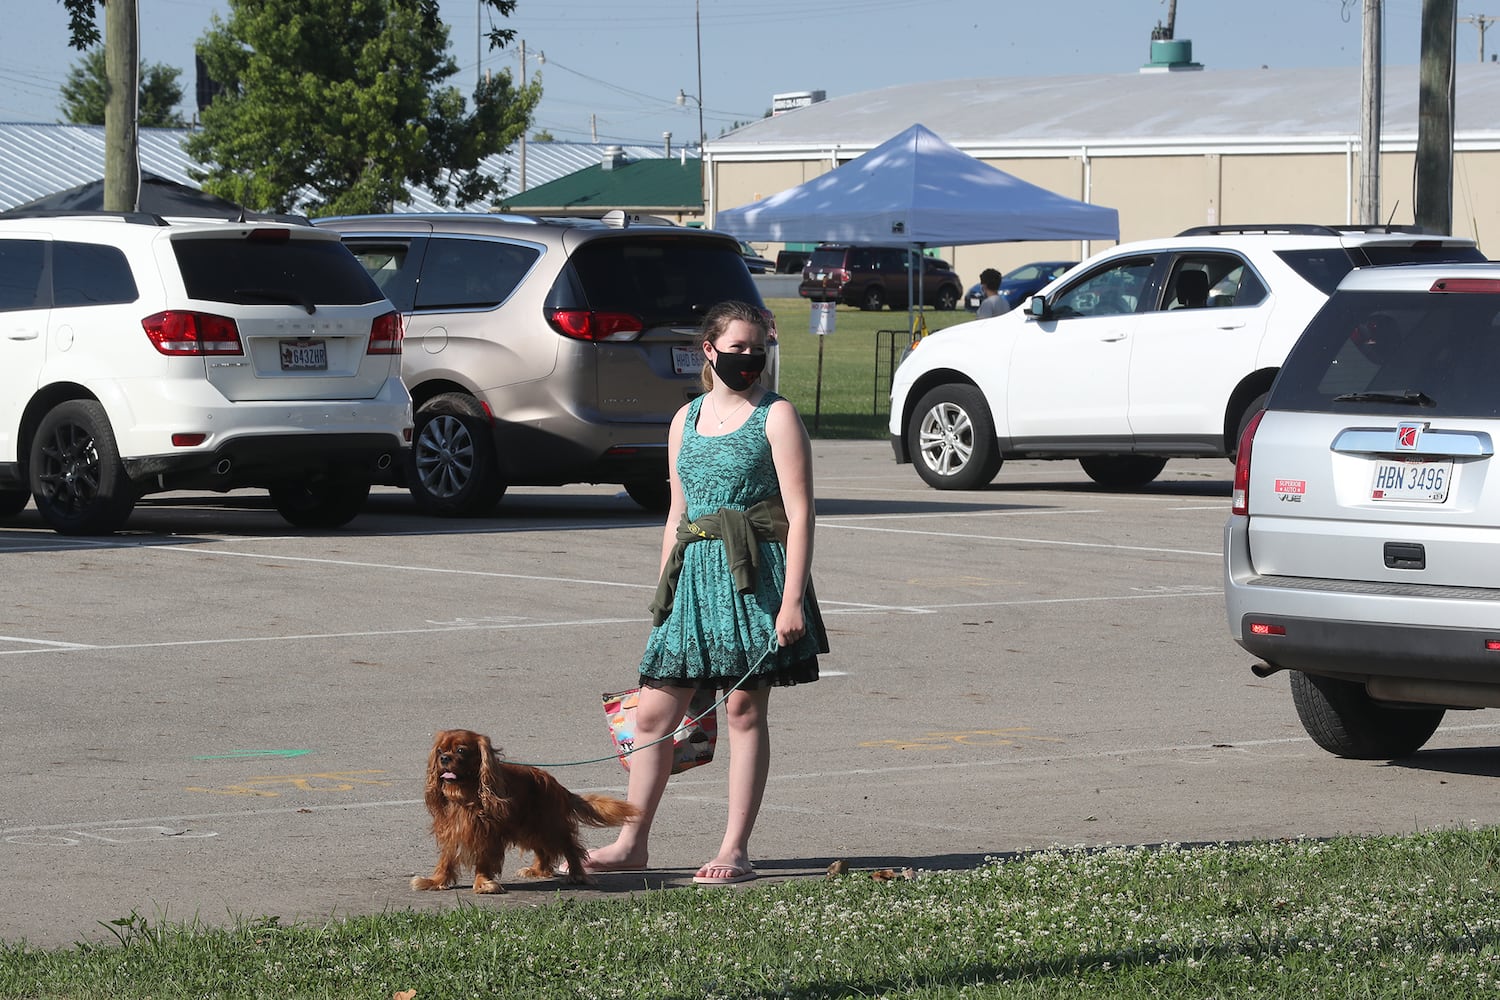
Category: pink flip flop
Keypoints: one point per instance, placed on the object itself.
(739, 875)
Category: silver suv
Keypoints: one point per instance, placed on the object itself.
(542, 352)
(1363, 551)
(139, 355)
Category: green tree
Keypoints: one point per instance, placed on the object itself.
(85, 91)
(339, 106)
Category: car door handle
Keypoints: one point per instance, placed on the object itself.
(1112, 338)
(1230, 326)
(21, 335)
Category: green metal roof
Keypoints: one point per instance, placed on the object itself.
(665, 185)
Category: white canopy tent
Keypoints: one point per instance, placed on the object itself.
(916, 189)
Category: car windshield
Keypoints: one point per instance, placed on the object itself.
(1409, 353)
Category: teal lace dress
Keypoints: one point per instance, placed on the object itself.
(714, 633)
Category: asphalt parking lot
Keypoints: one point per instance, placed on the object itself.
(209, 717)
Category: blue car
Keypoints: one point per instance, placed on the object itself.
(1020, 284)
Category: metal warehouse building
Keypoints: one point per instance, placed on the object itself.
(1169, 150)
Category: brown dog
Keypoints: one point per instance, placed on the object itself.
(481, 806)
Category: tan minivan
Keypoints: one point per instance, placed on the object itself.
(541, 352)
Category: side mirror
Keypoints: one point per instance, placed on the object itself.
(1037, 307)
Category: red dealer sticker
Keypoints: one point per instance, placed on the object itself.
(1298, 486)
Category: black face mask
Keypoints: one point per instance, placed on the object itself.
(738, 371)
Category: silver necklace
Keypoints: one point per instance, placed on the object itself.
(732, 412)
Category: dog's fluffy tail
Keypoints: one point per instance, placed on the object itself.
(604, 810)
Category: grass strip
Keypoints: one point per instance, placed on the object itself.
(1412, 916)
(853, 399)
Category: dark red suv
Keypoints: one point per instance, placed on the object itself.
(872, 277)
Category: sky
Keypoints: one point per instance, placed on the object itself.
(611, 70)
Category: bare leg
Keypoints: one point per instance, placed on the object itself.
(658, 713)
(749, 765)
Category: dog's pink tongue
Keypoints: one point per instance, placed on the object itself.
(449, 776)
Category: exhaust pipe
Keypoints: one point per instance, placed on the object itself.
(383, 462)
(1264, 669)
(223, 467)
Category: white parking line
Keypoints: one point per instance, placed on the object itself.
(970, 536)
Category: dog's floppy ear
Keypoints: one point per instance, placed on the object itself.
(491, 789)
(434, 793)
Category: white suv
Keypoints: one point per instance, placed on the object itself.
(1363, 551)
(1144, 352)
(139, 355)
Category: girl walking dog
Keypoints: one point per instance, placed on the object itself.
(734, 609)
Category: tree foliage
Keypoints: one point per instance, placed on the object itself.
(340, 106)
(86, 89)
(83, 31)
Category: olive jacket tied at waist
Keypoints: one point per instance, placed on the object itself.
(741, 532)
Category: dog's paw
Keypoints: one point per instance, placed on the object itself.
(487, 886)
(424, 884)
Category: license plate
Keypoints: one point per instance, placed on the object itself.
(1413, 480)
(304, 355)
(687, 360)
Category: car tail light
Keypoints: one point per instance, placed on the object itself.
(270, 235)
(1480, 285)
(1240, 504)
(589, 324)
(1266, 628)
(180, 333)
(386, 334)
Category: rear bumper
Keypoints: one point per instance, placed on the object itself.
(529, 455)
(272, 458)
(1358, 630)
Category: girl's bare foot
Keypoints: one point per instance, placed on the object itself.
(611, 858)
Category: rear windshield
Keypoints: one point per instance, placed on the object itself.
(258, 271)
(665, 280)
(1413, 354)
(823, 259)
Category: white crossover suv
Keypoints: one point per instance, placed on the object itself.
(140, 355)
(1144, 352)
(1363, 551)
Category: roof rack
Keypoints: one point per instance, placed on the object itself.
(1301, 229)
(137, 218)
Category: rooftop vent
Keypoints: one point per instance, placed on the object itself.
(1171, 55)
(613, 156)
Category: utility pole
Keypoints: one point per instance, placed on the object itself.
(1434, 195)
(122, 169)
(523, 131)
(1482, 22)
(1369, 127)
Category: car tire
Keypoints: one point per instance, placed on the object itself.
(654, 495)
(1122, 471)
(1344, 720)
(326, 502)
(77, 478)
(452, 470)
(873, 300)
(12, 502)
(951, 439)
(947, 299)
